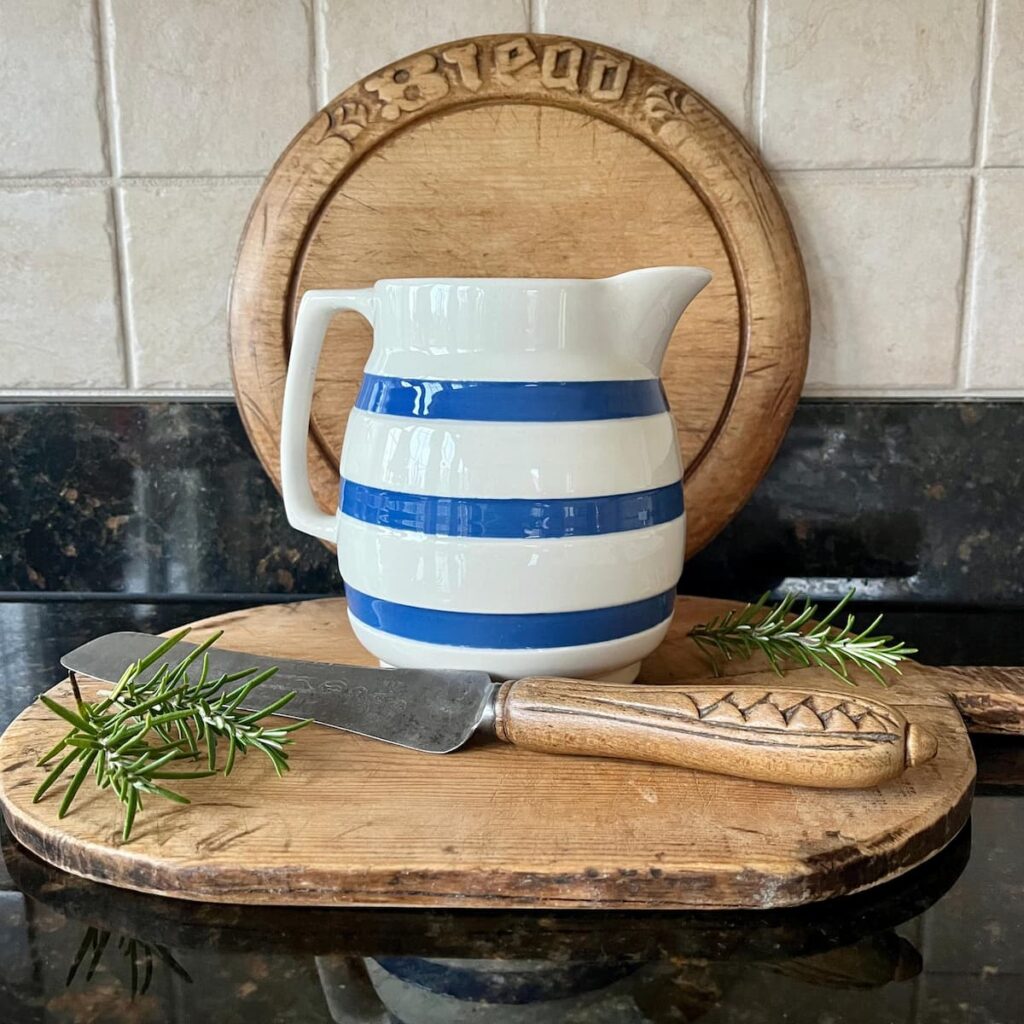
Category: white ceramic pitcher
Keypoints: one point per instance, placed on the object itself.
(511, 493)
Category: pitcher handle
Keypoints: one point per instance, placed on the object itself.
(316, 311)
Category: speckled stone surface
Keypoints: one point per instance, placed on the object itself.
(35, 634)
(912, 501)
(145, 499)
(917, 501)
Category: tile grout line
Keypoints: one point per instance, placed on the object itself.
(215, 394)
(951, 392)
(108, 181)
(965, 347)
(106, 29)
(969, 276)
(224, 180)
(321, 57)
(124, 275)
(985, 59)
(123, 395)
(758, 73)
(879, 170)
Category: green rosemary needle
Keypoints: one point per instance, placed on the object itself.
(134, 738)
(782, 638)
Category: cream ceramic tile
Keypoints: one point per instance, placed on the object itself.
(59, 322)
(884, 257)
(210, 86)
(1005, 142)
(181, 243)
(50, 99)
(706, 43)
(996, 342)
(363, 35)
(871, 83)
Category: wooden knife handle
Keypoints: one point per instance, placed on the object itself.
(801, 737)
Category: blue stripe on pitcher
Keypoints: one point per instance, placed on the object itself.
(524, 518)
(512, 401)
(510, 631)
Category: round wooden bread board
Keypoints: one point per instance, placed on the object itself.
(531, 156)
(362, 823)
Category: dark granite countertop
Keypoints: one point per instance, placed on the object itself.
(943, 944)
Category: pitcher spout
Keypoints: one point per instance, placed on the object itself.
(646, 305)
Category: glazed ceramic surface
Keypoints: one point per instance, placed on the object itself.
(511, 487)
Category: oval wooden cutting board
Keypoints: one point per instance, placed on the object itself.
(531, 156)
(363, 823)
(521, 934)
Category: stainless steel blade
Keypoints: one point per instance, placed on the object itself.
(436, 712)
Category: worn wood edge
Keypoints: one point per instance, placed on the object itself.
(990, 698)
(662, 887)
(741, 458)
(764, 936)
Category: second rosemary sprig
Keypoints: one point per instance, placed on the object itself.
(783, 637)
(134, 738)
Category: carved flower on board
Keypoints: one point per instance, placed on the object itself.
(410, 85)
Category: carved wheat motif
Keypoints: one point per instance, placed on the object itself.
(663, 103)
(346, 121)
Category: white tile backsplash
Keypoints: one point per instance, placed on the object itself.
(210, 86)
(871, 83)
(181, 243)
(364, 35)
(884, 259)
(50, 99)
(59, 320)
(996, 351)
(706, 43)
(885, 121)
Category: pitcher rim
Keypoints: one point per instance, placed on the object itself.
(534, 280)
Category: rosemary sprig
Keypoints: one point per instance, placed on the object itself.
(782, 638)
(132, 738)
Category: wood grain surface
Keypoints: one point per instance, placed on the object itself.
(362, 823)
(783, 733)
(531, 156)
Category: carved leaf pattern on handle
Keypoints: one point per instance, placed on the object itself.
(792, 712)
(795, 711)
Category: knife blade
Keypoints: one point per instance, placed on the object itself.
(773, 733)
(388, 705)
